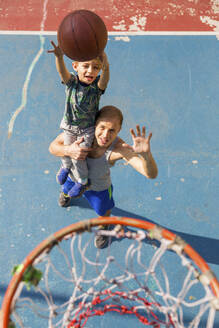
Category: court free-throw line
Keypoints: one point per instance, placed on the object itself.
(30, 70)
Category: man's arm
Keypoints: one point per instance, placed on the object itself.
(57, 148)
(105, 75)
(139, 155)
(65, 75)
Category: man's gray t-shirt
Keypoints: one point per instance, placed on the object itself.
(99, 170)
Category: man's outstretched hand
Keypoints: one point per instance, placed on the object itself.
(141, 143)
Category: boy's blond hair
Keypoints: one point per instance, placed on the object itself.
(99, 59)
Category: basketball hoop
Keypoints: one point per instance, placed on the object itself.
(155, 277)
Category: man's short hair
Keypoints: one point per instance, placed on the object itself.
(108, 112)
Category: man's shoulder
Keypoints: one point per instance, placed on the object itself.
(121, 151)
(118, 143)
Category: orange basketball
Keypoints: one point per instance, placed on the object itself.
(82, 35)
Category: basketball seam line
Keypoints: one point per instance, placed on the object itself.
(97, 44)
(75, 39)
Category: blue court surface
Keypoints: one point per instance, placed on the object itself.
(168, 83)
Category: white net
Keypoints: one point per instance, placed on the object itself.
(139, 276)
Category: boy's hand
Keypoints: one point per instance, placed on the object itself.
(105, 63)
(105, 75)
(57, 51)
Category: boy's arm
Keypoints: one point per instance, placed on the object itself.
(139, 155)
(65, 75)
(105, 75)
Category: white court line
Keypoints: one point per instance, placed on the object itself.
(28, 76)
(42, 32)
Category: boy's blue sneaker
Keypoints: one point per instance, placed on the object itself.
(78, 189)
(62, 175)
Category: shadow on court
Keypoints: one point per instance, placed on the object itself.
(206, 247)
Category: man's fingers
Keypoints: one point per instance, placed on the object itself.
(79, 141)
(85, 149)
(138, 130)
(82, 157)
(132, 133)
(150, 135)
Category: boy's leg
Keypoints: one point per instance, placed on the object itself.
(63, 172)
(64, 199)
(80, 172)
(80, 169)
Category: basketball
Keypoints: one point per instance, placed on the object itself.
(82, 35)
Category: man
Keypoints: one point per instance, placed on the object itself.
(106, 150)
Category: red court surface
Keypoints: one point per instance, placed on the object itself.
(118, 15)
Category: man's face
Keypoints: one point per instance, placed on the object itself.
(87, 71)
(106, 131)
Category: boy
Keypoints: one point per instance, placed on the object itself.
(83, 92)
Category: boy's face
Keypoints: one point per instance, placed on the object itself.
(87, 71)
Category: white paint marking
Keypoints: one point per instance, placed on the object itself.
(211, 22)
(121, 26)
(122, 38)
(29, 73)
(138, 23)
(127, 33)
(190, 77)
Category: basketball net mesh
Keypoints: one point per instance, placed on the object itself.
(67, 282)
